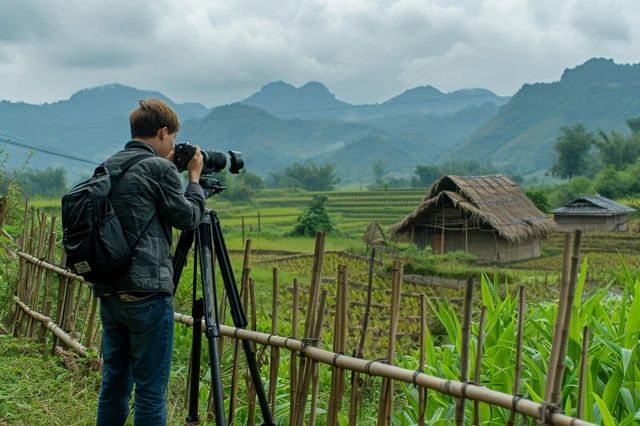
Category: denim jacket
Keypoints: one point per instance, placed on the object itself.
(149, 201)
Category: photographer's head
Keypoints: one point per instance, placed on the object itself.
(155, 123)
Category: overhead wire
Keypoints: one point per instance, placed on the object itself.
(12, 140)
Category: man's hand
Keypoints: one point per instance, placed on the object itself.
(195, 166)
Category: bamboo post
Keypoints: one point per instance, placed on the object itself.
(356, 394)
(568, 304)
(386, 393)
(34, 301)
(464, 353)
(422, 392)
(62, 286)
(582, 381)
(310, 320)
(244, 293)
(339, 346)
(516, 384)
(87, 315)
(251, 391)
(557, 328)
(92, 321)
(311, 368)
(275, 352)
(31, 273)
(244, 284)
(48, 276)
(22, 265)
(479, 355)
(293, 365)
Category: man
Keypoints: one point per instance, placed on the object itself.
(137, 308)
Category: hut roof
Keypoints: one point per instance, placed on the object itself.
(493, 199)
(593, 205)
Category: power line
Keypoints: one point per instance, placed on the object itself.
(11, 140)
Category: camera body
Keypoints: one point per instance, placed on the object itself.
(213, 161)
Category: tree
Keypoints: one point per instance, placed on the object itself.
(617, 150)
(634, 124)
(539, 198)
(572, 148)
(49, 183)
(315, 218)
(425, 176)
(308, 176)
(379, 172)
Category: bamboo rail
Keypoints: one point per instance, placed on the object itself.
(452, 388)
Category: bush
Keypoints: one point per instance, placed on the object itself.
(315, 218)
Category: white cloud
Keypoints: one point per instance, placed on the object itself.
(363, 50)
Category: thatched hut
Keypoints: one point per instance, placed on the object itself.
(593, 213)
(487, 216)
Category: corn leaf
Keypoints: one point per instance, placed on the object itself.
(607, 418)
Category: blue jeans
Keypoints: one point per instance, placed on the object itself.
(137, 345)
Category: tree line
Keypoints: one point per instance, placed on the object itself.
(607, 163)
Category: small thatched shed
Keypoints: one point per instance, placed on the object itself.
(487, 216)
(593, 213)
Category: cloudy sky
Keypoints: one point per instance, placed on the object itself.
(216, 52)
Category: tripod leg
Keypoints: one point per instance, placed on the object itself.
(194, 374)
(212, 324)
(238, 316)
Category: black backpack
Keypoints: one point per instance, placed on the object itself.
(93, 238)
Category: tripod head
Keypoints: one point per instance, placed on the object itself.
(211, 185)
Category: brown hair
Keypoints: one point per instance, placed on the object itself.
(150, 116)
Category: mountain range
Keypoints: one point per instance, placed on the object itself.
(281, 124)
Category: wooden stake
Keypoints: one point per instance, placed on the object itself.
(339, 346)
(385, 411)
(48, 276)
(566, 322)
(516, 384)
(307, 373)
(275, 352)
(356, 393)
(293, 365)
(464, 353)
(479, 355)
(310, 321)
(557, 328)
(422, 392)
(582, 382)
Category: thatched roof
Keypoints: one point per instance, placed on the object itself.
(494, 200)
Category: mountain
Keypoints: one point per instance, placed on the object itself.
(284, 99)
(429, 100)
(599, 93)
(313, 101)
(270, 143)
(91, 124)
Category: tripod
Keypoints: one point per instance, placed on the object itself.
(209, 241)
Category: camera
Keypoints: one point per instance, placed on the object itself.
(213, 161)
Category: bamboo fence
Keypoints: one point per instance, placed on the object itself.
(53, 305)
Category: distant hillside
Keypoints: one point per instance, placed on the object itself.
(599, 93)
(314, 101)
(92, 124)
(284, 99)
